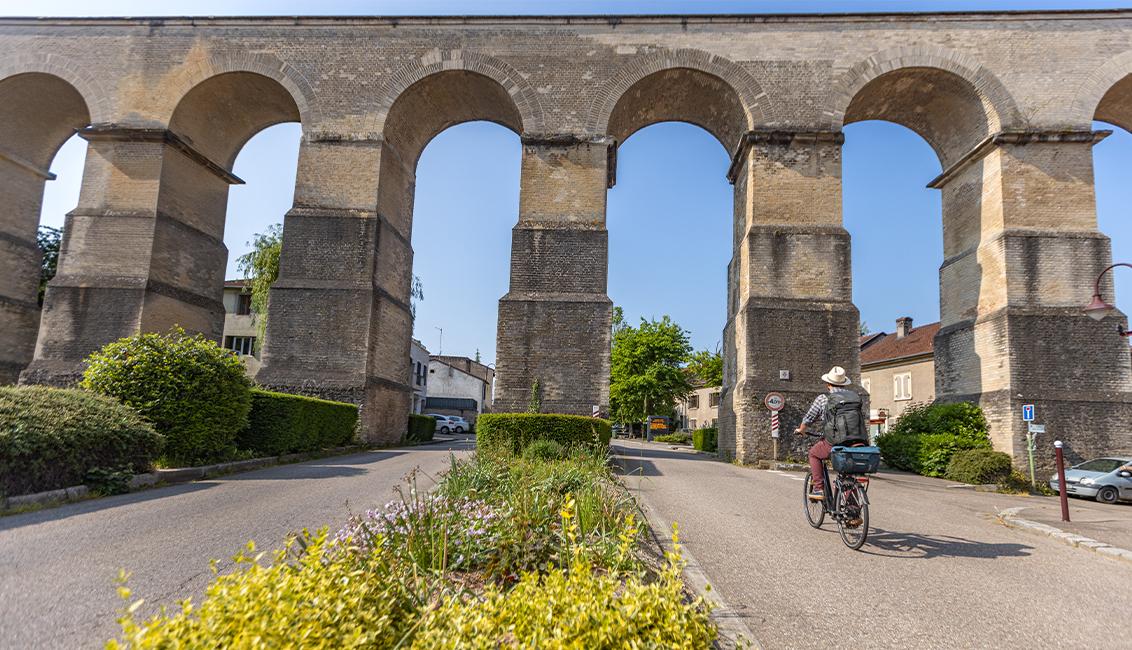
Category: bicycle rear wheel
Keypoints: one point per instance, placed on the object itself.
(853, 516)
(815, 510)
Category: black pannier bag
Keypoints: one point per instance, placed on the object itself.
(855, 460)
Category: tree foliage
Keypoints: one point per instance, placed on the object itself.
(49, 240)
(260, 268)
(707, 366)
(646, 371)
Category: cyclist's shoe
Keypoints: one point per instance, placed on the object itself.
(817, 495)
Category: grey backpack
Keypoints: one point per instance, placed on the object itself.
(844, 420)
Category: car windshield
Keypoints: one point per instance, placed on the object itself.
(1105, 465)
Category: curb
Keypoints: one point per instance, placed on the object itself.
(173, 476)
(733, 632)
(1010, 519)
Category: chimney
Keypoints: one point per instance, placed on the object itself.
(903, 326)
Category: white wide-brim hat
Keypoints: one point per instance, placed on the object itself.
(836, 377)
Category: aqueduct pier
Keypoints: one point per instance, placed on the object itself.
(1006, 100)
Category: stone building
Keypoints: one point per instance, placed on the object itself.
(240, 331)
(898, 370)
(700, 409)
(1005, 99)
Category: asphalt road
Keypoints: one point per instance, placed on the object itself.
(58, 567)
(937, 572)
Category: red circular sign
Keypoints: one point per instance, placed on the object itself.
(774, 401)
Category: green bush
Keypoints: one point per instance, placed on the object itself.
(705, 439)
(679, 438)
(421, 428)
(545, 450)
(512, 432)
(926, 436)
(53, 438)
(193, 392)
(280, 423)
(979, 467)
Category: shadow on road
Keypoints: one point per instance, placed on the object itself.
(11, 522)
(888, 543)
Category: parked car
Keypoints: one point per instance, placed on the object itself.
(1107, 480)
(449, 423)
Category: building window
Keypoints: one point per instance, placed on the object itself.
(867, 384)
(692, 423)
(694, 402)
(902, 386)
(240, 344)
(244, 304)
(713, 400)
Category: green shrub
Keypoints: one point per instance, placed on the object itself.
(979, 466)
(421, 428)
(573, 607)
(192, 391)
(280, 423)
(926, 436)
(705, 439)
(679, 438)
(321, 599)
(53, 438)
(512, 432)
(545, 450)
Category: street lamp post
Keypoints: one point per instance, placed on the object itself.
(1097, 309)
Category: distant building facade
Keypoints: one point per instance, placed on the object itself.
(898, 370)
(459, 386)
(700, 409)
(418, 375)
(240, 332)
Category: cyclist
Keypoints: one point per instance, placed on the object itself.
(841, 413)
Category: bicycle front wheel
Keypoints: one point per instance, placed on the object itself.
(853, 516)
(815, 510)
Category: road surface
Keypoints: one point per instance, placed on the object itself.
(58, 566)
(937, 572)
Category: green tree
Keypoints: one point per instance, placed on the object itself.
(708, 366)
(49, 240)
(260, 268)
(646, 373)
(862, 328)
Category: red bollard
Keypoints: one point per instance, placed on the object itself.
(1061, 480)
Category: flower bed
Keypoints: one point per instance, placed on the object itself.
(518, 552)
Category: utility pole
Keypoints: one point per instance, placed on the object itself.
(441, 350)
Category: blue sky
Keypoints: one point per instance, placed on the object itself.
(671, 194)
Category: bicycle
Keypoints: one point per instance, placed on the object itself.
(846, 498)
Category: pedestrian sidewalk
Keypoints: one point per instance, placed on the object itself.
(1111, 524)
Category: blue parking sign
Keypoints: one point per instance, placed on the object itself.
(1027, 412)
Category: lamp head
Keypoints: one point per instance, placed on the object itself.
(1098, 308)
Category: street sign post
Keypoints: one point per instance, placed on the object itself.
(774, 403)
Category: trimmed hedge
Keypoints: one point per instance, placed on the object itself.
(421, 428)
(512, 432)
(281, 423)
(926, 436)
(51, 438)
(705, 439)
(191, 390)
(979, 466)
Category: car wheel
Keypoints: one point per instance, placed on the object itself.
(459, 429)
(444, 429)
(1107, 494)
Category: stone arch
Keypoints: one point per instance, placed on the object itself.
(98, 102)
(259, 63)
(1106, 95)
(749, 98)
(39, 111)
(522, 95)
(921, 87)
(221, 113)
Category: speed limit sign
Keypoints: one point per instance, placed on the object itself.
(774, 401)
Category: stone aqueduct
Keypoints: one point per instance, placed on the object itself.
(1006, 100)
